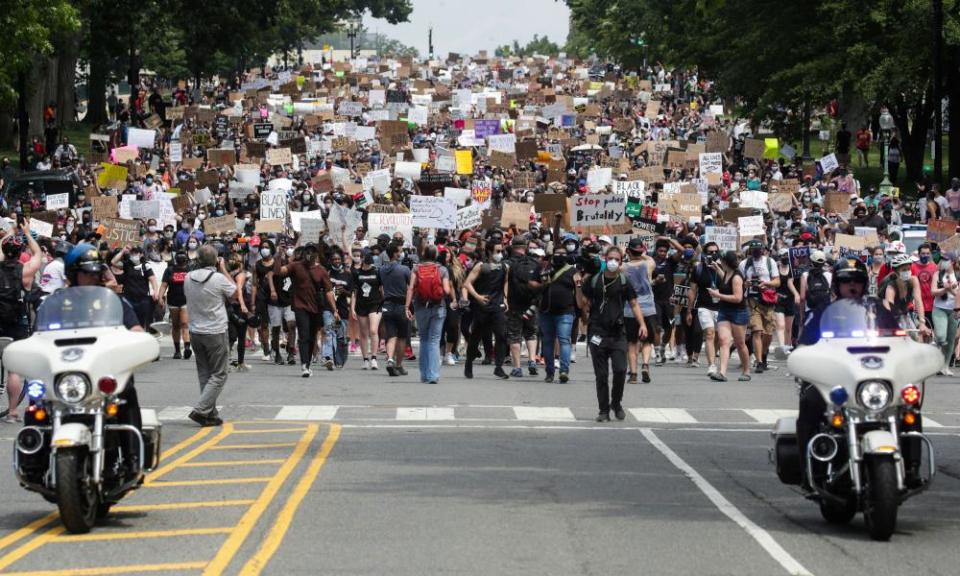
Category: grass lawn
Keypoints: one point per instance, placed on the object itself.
(79, 135)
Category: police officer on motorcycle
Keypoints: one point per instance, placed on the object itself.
(84, 267)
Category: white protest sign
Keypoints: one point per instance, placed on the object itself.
(389, 224)
(469, 217)
(311, 229)
(377, 98)
(725, 237)
(753, 199)
(144, 209)
(409, 170)
(377, 180)
(365, 133)
(418, 115)
(176, 151)
(273, 205)
(751, 226)
(249, 176)
(141, 138)
(458, 195)
(296, 217)
(58, 201)
(506, 143)
(433, 212)
(598, 210)
(829, 163)
(711, 163)
(630, 188)
(446, 163)
(41, 228)
(421, 155)
(598, 178)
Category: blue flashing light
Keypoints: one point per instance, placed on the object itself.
(839, 396)
(35, 389)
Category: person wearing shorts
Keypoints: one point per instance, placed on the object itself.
(367, 302)
(704, 277)
(639, 271)
(395, 278)
(171, 295)
(279, 314)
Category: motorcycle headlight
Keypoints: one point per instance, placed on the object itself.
(72, 388)
(874, 394)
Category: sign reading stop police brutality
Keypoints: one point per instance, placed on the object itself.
(273, 205)
(598, 210)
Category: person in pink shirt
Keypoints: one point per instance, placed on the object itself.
(953, 198)
(926, 272)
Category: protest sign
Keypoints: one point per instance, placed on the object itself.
(679, 298)
(869, 234)
(141, 138)
(464, 160)
(273, 205)
(598, 210)
(524, 180)
(297, 217)
(753, 199)
(389, 224)
(112, 176)
(433, 212)
(502, 160)
(506, 143)
(836, 203)
(829, 163)
(222, 157)
(119, 233)
(459, 195)
(515, 213)
(781, 202)
(951, 246)
(550, 203)
(630, 188)
(598, 178)
(711, 167)
(469, 217)
(377, 180)
(219, 225)
(850, 242)
(279, 156)
(311, 229)
(481, 190)
(269, 227)
(144, 209)
(41, 228)
(409, 170)
(753, 148)
(799, 261)
(751, 226)
(176, 151)
(58, 201)
(726, 237)
(939, 230)
(104, 207)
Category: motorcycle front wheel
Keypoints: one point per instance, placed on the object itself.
(838, 512)
(882, 502)
(77, 497)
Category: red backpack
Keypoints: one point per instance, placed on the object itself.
(429, 285)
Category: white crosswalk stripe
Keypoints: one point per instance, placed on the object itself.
(439, 413)
(307, 413)
(770, 416)
(663, 415)
(538, 414)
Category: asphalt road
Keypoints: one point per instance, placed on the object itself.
(353, 472)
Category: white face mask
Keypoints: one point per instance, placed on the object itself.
(570, 248)
(289, 251)
(906, 275)
(134, 260)
(191, 246)
(498, 257)
(613, 265)
(264, 252)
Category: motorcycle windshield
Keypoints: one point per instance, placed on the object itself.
(846, 319)
(80, 307)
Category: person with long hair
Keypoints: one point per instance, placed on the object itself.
(451, 324)
(238, 312)
(311, 283)
(732, 315)
(365, 305)
(171, 296)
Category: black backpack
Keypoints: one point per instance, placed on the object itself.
(818, 290)
(12, 307)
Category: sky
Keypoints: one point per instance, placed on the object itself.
(468, 26)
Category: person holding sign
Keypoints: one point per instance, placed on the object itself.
(603, 296)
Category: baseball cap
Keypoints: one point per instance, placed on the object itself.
(636, 245)
(605, 240)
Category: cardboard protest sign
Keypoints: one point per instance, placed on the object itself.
(597, 210)
(781, 202)
(273, 205)
(502, 160)
(836, 203)
(869, 234)
(182, 203)
(675, 159)
(270, 227)
(940, 230)
(220, 225)
(279, 156)
(515, 213)
(433, 212)
(58, 201)
(717, 142)
(951, 246)
(525, 180)
(104, 207)
(789, 186)
(753, 148)
(726, 237)
(526, 150)
(751, 226)
(119, 233)
(218, 157)
(850, 242)
(389, 224)
(191, 163)
(550, 203)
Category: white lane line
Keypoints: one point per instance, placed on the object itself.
(770, 416)
(930, 423)
(558, 427)
(307, 413)
(663, 415)
(429, 413)
(766, 541)
(541, 414)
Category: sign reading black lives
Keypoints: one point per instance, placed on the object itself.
(262, 129)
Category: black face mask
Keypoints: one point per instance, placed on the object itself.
(559, 260)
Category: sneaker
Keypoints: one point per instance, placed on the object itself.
(468, 370)
(391, 369)
(515, 373)
(328, 363)
(499, 373)
(408, 354)
(645, 373)
(631, 377)
(603, 417)
(946, 372)
(712, 369)
(549, 378)
(243, 367)
(187, 353)
(354, 348)
(564, 377)
(532, 367)
(619, 413)
(278, 359)
(176, 355)
(305, 373)
(203, 421)
(659, 361)
(366, 364)
(523, 352)
(451, 361)
(668, 354)
(266, 356)
(573, 357)
(401, 371)
(759, 367)
(291, 360)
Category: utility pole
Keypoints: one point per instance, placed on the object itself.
(430, 42)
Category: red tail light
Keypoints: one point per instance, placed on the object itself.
(107, 385)
(910, 395)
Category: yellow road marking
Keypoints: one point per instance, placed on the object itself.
(182, 505)
(44, 520)
(275, 535)
(270, 430)
(252, 515)
(227, 429)
(31, 546)
(254, 446)
(230, 463)
(142, 534)
(212, 482)
(131, 568)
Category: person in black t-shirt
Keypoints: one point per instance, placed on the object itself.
(335, 331)
(557, 311)
(171, 295)
(603, 296)
(138, 281)
(663, 273)
(366, 303)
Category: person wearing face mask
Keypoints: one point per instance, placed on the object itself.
(925, 271)
(639, 272)
(787, 296)
(263, 293)
(815, 291)
(521, 326)
(488, 287)
(187, 232)
(687, 334)
(557, 313)
(603, 296)
(192, 246)
(365, 305)
(171, 295)
(138, 282)
(901, 295)
(944, 312)
(335, 343)
(761, 278)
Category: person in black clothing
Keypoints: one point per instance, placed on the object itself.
(137, 280)
(603, 296)
(157, 104)
(264, 293)
(487, 285)
(663, 273)
(335, 343)
(557, 311)
(171, 295)
(522, 318)
(366, 304)
(280, 311)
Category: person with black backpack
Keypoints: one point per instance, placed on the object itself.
(815, 284)
(16, 279)
(603, 296)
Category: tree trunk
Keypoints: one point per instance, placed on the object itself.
(23, 119)
(953, 112)
(913, 142)
(8, 135)
(66, 79)
(99, 67)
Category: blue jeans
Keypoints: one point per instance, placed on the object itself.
(556, 326)
(430, 324)
(335, 340)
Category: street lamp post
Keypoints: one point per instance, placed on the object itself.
(353, 29)
(886, 126)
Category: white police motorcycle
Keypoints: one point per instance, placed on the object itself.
(872, 382)
(72, 448)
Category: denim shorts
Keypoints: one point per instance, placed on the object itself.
(739, 316)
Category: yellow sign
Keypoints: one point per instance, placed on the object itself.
(113, 176)
(771, 148)
(464, 161)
